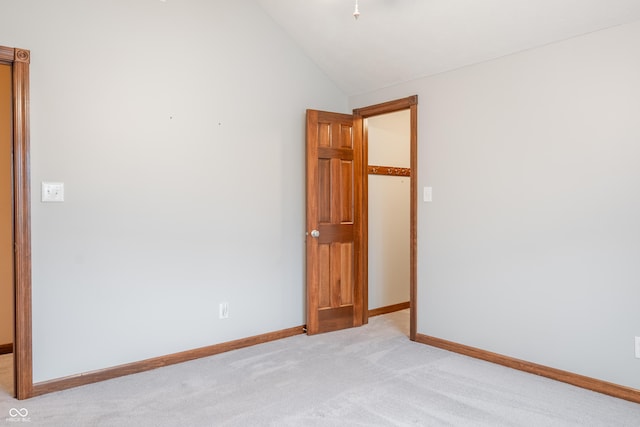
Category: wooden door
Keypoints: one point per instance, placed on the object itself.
(334, 191)
(6, 211)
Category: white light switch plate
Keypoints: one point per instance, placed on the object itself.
(53, 191)
(427, 195)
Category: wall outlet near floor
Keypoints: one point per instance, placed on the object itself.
(638, 347)
(224, 310)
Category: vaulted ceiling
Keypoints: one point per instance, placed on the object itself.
(394, 41)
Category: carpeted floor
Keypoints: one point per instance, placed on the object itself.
(369, 376)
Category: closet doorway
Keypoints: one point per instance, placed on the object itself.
(337, 216)
(400, 118)
(388, 145)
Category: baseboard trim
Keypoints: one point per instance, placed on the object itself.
(158, 362)
(389, 309)
(615, 390)
(6, 348)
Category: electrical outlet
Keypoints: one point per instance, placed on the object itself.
(638, 347)
(53, 191)
(224, 310)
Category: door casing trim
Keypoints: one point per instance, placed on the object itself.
(19, 60)
(410, 103)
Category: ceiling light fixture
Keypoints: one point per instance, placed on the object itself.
(356, 12)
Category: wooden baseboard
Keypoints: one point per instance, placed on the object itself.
(6, 348)
(158, 362)
(615, 390)
(389, 309)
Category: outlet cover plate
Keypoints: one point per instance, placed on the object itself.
(224, 310)
(53, 191)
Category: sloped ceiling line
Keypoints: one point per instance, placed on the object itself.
(395, 41)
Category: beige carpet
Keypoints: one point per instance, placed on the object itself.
(369, 376)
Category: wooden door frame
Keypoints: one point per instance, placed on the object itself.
(360, 114)
(23, 370)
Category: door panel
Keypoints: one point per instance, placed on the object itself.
(334, 176)
(6, 211)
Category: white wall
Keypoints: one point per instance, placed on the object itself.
(531, 245)
(389, 213)
(178, 130)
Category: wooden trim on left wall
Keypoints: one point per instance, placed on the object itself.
(19, 60)
(158, 362)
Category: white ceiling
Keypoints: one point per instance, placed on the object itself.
(395, 41)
